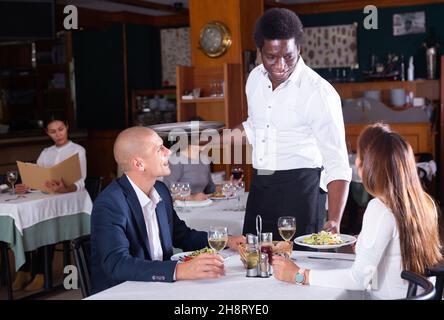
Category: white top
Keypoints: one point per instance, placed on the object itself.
(298, 125)
(148, 204)
(53, 155)
(378, 258)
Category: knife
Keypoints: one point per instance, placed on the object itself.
(325, 258)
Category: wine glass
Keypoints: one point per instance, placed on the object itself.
(217, 238)
(228, 189)
(12, 176)
(175, 190)
(240, 191)
(287, 227)
(237, 173)
(185, 191)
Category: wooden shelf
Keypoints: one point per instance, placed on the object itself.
(203, 100)
(225, 109)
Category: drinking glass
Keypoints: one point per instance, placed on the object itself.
(217, 237)
(185, 191)
(237, 173)
(175, 190)
(240, 191)
(12, 176)
(287, 227)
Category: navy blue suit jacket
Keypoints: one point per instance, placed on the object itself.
(119, 240)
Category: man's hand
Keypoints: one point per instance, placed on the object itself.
(204, 266)
(332, 226)
(234, 242)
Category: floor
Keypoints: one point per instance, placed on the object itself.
(61, 293)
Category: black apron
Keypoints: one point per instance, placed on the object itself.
(294, 193)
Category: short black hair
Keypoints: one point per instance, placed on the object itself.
(278, 23)
(54, 117)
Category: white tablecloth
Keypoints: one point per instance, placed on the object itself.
(32, 208)
(201, 218)
(236, 286)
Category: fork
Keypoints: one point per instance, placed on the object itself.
(16, 198)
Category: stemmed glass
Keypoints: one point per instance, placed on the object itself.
(240, 191)
(12, 176)
(175, 190)
(287, 227)
(185, 191)
(217, 238)
(228, 190)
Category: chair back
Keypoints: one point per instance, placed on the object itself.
(438, 272)
(81, 247)
(93, 185)
(415, 280)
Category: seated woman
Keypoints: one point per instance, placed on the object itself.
(57, 129)
(190, 165)
(399, 229)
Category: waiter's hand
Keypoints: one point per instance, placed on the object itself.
(234, 242)
(332, 226)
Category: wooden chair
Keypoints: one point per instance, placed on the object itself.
(81, 247)
(415, 281)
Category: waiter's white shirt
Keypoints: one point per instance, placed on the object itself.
(298, 125)
(53, 155)
(149, 204)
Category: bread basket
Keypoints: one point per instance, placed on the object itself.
(279, 247)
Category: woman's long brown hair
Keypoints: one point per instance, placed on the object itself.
(389, 173)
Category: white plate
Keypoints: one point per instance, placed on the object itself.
(348, 240)
(223, 198)
(193, 204)
(178, 256)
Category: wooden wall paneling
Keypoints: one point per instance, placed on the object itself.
(100, 156)
(228, 12)
(441, 136)
(234, 110)
(347, 5)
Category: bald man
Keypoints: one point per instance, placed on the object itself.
(134, 226)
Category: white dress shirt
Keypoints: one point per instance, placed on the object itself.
(378, 261)
(148, 204)
(53, 155)
(297, 125)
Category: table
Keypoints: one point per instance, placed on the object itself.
(37, 219)
(236, 286)
(218, 213)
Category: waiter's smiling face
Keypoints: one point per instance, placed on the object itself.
(279, 58)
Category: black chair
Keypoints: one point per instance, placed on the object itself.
(438, 272)
(416, 280)
(81, 247)
(93, 185)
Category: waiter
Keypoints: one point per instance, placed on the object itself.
(296, 129)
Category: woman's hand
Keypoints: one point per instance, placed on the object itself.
(284, 269)
(198, 197)
(21, 188)
(58, 186)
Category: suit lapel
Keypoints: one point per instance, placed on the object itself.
(165, 235)
(136, 210)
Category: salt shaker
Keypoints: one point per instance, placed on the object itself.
(264, 266)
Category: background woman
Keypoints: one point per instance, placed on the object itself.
(57, 129)
(399, 229)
